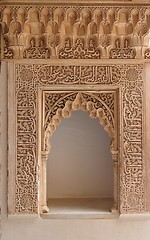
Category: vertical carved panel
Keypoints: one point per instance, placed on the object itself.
(26, 165)
(132, 159)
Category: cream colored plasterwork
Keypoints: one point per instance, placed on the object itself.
(58, 31)
(39, 89)
(119, 31)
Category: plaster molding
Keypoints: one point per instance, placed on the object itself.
(112, 2)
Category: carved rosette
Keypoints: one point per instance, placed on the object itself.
(126, 77)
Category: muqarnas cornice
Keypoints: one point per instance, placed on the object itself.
(76, 32)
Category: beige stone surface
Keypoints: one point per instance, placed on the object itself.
(147, 131)
(85, 58)
(87, 54)
(32, 227)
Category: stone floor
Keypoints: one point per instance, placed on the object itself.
(80, 208)
(127, 227)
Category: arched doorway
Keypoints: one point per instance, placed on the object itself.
(63, 106)
(80, 167)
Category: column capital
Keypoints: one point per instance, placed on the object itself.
(114, 156)
(44, 155)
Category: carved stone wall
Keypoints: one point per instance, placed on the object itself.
(57, 32)
(119, 31)
(129, 82)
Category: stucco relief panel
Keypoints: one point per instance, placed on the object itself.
(127, 78)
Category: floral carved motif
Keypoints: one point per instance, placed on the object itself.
(79, 51)
(122, 53)
(36, 53)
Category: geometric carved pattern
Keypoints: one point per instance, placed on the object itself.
(98, 31)
(128, 78)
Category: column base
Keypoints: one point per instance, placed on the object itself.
(114, 209)
(44, 209)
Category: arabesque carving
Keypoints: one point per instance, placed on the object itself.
(76, 32)
(99, 105)
(7, 52)
(79, 51)
(122, 50)
(128, 155)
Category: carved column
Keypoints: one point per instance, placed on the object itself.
(116, 175)
(43, 193)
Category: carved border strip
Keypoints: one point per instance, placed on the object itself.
(128, 78)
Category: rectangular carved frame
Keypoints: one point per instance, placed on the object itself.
(27, 81)
(59, 102)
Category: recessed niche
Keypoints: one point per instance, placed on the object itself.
(80, 168)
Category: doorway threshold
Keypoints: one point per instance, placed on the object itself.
(80, 208)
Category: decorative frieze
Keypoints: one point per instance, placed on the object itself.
(98, 31)
(79, 51)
